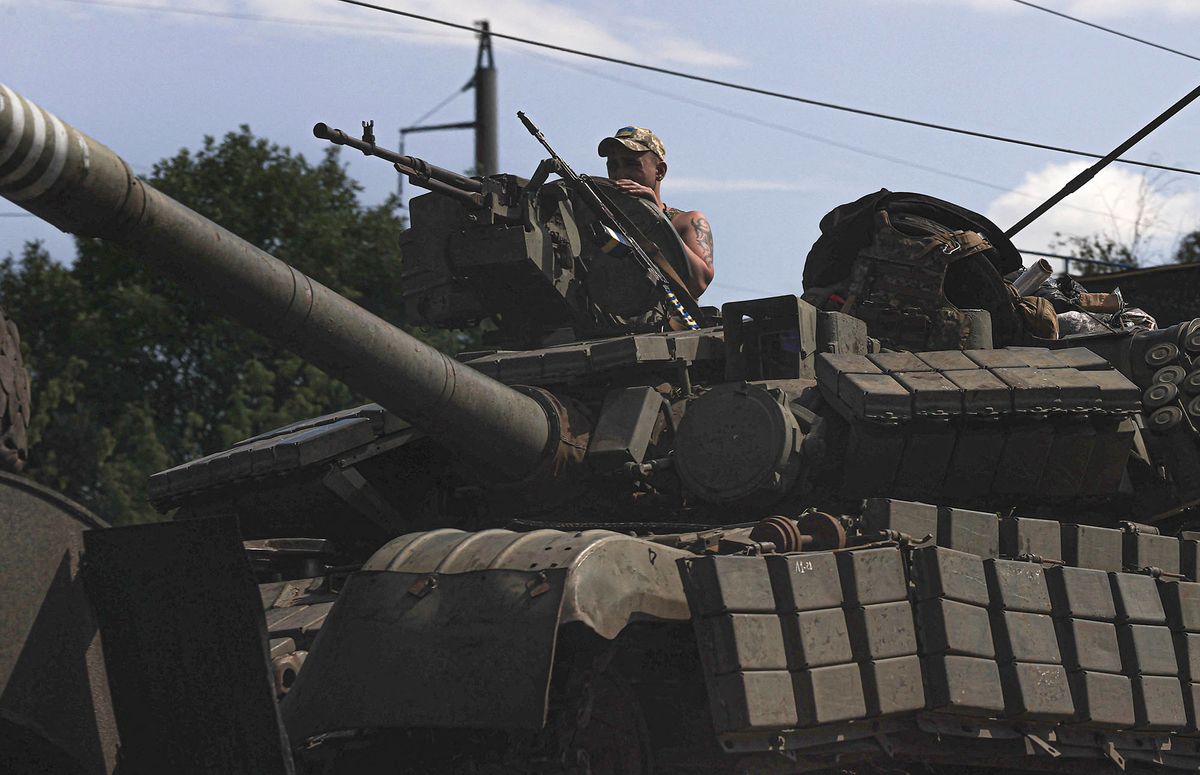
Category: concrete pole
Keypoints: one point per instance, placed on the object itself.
(487, 150)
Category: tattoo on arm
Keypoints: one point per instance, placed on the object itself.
(704, 238)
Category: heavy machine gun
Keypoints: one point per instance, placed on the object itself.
(763, 546)
(544, 261)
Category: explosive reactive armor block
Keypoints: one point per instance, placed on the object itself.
(1081, 593)
(816, 638)
(805, 582)
(915, 519)
(1017, 586)
(974, 532)
(1025, 637)
(1181, 604)
(1024, 536)
(871, 576)
(1036, 691)
(1085, 546)
(949, 627)
(744, 642)
(739, 584)
(1089, 645)
(966, 685)
(1137, 599)
(1148, 550)
(945, 573)
(754, 700)
(828, 694)
(1102, 699)
(893, 685)
(882, 631)
(1067, 432)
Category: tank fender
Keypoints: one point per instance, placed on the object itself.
(447, 628)
(612, 579)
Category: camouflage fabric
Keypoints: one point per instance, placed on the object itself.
(635, 138)
(1037, 315)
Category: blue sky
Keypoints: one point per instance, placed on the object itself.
(148, 82)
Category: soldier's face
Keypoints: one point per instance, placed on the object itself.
(638, 166)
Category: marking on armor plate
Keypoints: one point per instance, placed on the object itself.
(35, 149)
(18, 124)
(803, 566)
(51, 174)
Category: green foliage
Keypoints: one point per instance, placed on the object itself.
(132, 375)
(1188, 249)
(1096, 247)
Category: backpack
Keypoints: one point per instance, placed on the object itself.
(908, 264)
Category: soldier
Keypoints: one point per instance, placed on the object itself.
(637, 161)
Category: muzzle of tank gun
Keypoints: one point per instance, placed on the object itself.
(63, 176)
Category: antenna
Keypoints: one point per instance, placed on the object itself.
(1079, 180)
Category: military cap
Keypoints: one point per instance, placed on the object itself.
(635, 138)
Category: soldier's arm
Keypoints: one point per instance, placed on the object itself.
(697, 238)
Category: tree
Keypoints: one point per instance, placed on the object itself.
(132, 374)
(1188, 249)
(1095, 247)
(1129, 239)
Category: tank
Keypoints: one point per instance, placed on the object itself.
(880, 527)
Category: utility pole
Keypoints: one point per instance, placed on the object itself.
(487, 152)
(483, 82)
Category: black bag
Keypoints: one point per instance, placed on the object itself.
(973, 282)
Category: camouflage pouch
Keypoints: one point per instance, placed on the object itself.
(1037, 316)
(897, 282)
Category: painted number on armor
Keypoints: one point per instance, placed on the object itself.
(803, 566)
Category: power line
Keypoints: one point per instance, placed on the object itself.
(251, 17)
(439, 106)
(763, 123)
(1109, 30)
(815, 138)
(766, 92)
(739, 288)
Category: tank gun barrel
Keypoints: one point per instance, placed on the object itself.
(419, 171)
(63, 176)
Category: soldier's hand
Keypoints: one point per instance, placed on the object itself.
(635, 189)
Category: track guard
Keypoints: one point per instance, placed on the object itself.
(455, 629)
(55, 710)
(186, 648)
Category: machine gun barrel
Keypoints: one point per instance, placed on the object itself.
(60, 174)
(419, 171)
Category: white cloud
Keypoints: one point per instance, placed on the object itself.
(693, 185)
(1110, 205)
(1116, 8)
(541, 20)
(1089, 10)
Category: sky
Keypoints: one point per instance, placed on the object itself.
(148, 77)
